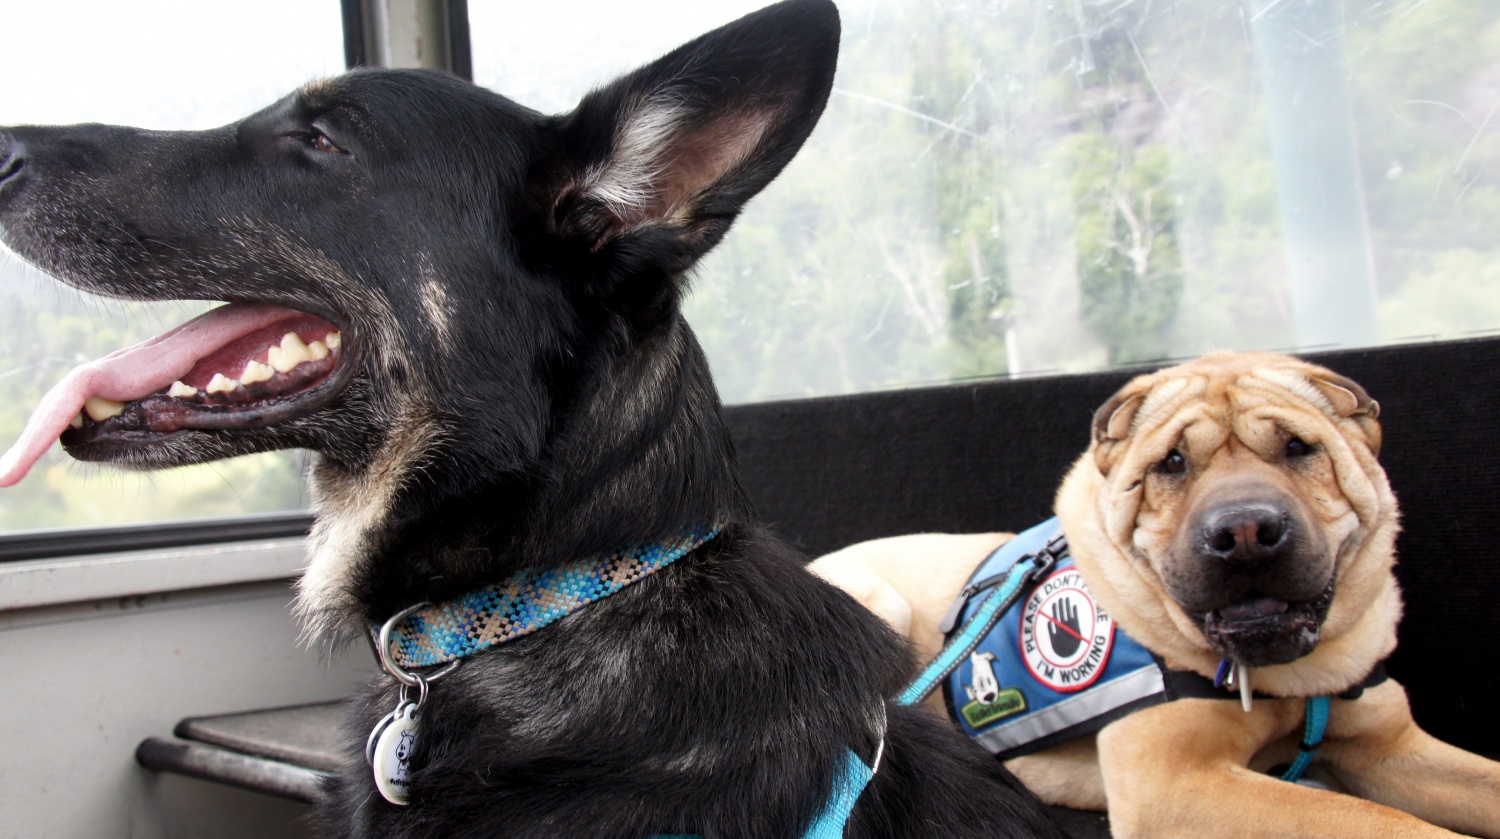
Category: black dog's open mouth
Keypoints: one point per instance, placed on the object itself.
(238, 366)
(1258, 630)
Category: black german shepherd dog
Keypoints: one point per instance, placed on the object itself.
(470, 311)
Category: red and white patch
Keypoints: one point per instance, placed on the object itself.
(1065, 636)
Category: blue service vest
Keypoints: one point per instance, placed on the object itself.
(1054, 667)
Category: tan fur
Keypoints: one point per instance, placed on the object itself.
(1194, 768)
(350, 507)
(436, 305)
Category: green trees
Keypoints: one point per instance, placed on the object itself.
(1019, 188)
(995, 188)
(951, 76)
(1129, 268)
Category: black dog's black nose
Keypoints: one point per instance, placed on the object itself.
(10, 157)
(1246, 532)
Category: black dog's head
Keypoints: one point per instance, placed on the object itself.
(469, 309)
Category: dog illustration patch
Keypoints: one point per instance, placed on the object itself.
(1053, 667)
(1065, 636)
(988, 702)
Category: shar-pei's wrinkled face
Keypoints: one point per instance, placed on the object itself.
(1238, 497)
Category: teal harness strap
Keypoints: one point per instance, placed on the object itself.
(852, 778)
(853, 774)
(1312, 737)
(1030, 567)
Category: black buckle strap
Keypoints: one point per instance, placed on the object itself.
(1375, 677)
(1185, 684)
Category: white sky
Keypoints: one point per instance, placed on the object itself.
(160, 63)
(175, 64)
(547, 54)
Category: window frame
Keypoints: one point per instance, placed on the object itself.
(155, 541)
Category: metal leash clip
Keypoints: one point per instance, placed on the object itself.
(1045, 559)
(1042, 563)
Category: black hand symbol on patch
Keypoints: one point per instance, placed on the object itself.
(1063, 629)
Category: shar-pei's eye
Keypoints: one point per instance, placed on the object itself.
(1173, 464)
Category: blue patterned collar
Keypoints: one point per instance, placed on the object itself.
(432, 634)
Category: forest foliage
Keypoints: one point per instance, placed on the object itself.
(997, 188)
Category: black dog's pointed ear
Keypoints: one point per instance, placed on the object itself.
(677, 147)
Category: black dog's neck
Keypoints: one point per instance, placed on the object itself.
(641, 453)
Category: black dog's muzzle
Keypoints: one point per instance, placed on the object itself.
(12, 160)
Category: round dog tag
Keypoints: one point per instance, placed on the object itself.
(392, 755)
(375, 733)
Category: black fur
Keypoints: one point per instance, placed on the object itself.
(562, 408)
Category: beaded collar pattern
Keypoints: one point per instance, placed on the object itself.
(444, 632)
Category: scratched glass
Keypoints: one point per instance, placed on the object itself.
(1003, 188)
(997, 188)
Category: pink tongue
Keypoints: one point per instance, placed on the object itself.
(1259, 607)
(130, 374)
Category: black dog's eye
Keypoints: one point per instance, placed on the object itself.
(322, 143)
(1173, 464)
(1297, 447)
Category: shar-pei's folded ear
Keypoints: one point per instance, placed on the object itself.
(1114, 418)
(1350, 401)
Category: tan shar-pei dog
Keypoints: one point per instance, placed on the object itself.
(1230, 508)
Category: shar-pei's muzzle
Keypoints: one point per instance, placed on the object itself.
(1230, 515)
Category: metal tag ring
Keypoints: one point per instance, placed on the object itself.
(421, 692)
(399, 673)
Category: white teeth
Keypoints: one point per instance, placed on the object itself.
(100, 410)
(77, 422)
(283, 358)
(291, 353)
(256, 372)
